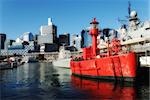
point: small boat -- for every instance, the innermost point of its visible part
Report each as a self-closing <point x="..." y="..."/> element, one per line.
<point x="13" y="62"/>
<point x="63" y="58"/>
<point x="29" y="59"/>
<point x="114" y="64"/>
<point x="5" y="65"/>
<point x="9" y="63"/>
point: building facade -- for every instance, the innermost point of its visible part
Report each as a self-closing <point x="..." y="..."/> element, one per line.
<point x="64" y="39"/>
<point x="27" y="36"/>
<point x="86" y="39"/>
<point x="2" y="40"/>
<point x="48" y="38"/>
<point x="76" y="41"/>
<point x="48" y="31"/>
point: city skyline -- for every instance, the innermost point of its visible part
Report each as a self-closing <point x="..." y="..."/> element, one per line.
<point x="69" y="16"/>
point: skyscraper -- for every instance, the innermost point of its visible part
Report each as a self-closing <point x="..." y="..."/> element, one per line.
<point x="48" y="31"/>
<point x="76" y="41"/>
<point x="27" y="36"/>
<point x="2" y="40"/>
<point x="64" y="39"/>
<point x="86" y="39"/>
<point x="47" y="38"/>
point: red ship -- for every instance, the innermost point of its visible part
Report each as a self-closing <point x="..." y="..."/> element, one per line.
<point x="114" y="64"/>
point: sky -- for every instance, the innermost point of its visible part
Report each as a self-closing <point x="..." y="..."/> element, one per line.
<point x="71" y="16"/>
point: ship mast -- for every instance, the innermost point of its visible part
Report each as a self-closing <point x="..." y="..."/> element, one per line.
<point x="129" y="8"/>
<point x="94" y="33"/>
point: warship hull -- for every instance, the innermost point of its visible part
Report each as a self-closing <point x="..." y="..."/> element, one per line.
<point x="120" y="67"/>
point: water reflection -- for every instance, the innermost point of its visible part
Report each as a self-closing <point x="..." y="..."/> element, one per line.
<point x="33" y="80"/>
<point x="42" y="81"/>
<point x="104" y="90"/>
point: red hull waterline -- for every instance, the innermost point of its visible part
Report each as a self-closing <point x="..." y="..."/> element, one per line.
<point x="121" y="66"/>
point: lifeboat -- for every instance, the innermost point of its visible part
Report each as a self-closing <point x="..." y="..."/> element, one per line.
<point x="114" y="64"/>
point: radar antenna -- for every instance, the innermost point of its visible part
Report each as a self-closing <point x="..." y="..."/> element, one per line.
<point x="121" y="21"/>
<point x="129" y="8"/>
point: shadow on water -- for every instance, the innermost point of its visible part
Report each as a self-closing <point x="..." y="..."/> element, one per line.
<point x="142" y="83"/>
<point x="42" y="81"/>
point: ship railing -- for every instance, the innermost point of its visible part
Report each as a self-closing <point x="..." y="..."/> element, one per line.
<point x="141" y="48"/>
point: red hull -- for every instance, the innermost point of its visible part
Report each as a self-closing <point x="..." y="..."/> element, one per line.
<point x="119" y="66"/>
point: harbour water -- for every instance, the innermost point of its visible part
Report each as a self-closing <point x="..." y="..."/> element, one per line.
<point x="42" y="81"/>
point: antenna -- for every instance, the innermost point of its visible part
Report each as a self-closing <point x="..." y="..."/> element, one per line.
<point x="129" y="8"/>
<point x="121" y="21"/>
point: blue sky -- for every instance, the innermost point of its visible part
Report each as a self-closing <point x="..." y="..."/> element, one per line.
<point x="19" y="16"/>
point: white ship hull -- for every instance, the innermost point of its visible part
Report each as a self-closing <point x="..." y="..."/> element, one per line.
<point x="28" y="59"/>
<point x="145" y="61"/>
<point x="65" y="63"/>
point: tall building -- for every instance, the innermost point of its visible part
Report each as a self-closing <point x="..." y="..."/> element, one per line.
<point x="36" y="45"/>
<point x="64" y="39"/>
<point x="86" y="39"/>
<point x="49" y="31"/>
<point x="2" y="40"/>
<point x="73" y="40"/>
<point x="27" y="36"/>
<point x="49" y="47"/>
<point x="48" y="38"/>
<point x="76" y="41"/>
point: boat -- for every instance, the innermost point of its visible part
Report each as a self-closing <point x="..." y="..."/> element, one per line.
<point x="137" y="34"/>
<point x="64" y="58"/>
<point x="114" y="64"/>
<point x="134" y="33"/>
<point x="5" y="65"/>
<point x="29" y="59"/>
<point x="9" y="63"/>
